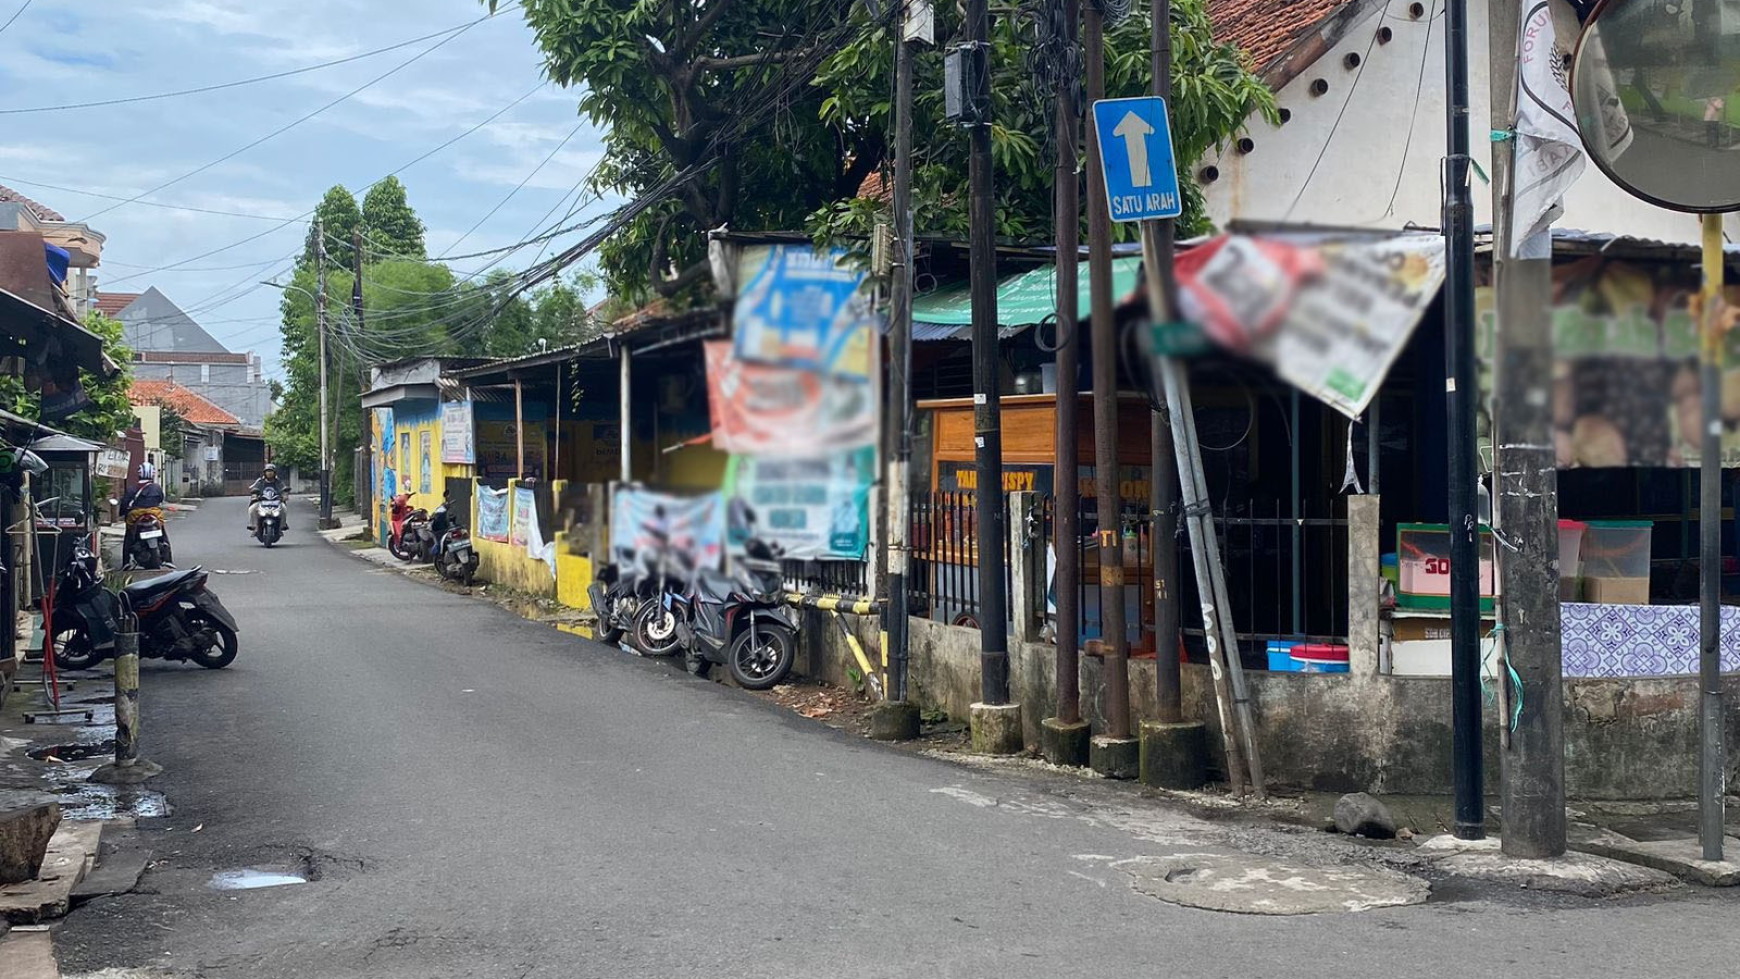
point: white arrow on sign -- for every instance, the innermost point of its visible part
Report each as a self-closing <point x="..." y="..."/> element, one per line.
<point x="1134" y="131"/>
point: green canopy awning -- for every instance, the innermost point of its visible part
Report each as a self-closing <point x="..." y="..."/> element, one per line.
<point x="1022" y="301"/>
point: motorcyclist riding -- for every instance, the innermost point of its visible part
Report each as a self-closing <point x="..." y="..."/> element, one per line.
<point x="142" y="500"/>
<point x="268" y="480"/>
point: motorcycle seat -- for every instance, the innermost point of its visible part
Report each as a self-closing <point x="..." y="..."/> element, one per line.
<point x="153" y="588"/>
<point x="715" y="585"/>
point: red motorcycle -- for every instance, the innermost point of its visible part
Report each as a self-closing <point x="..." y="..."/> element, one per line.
<point x="407" y="522"/>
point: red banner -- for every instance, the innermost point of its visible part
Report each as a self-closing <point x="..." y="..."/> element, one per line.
<point x="764" y="410"/>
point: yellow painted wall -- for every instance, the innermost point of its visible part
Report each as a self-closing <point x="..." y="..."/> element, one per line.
<point x="150" y="424"/>
<point x="508" y="564"/>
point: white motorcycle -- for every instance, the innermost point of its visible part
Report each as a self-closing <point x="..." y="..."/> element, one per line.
<point x="269" y="524"/>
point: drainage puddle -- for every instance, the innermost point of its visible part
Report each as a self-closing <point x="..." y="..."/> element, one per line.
<point x="77" y="751"/>
<point x="247" y="880"/>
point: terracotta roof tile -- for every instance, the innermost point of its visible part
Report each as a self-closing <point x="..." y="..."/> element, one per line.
<point x="111" y="303"/>
<point x="10" y="196"/>
<point x="1268" y="29"/>
<point x="874" y="188"/>
<point x="186" y="403"/>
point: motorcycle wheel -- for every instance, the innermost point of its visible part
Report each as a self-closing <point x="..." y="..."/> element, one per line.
<point x="401" y="549"/>
<point x="695" y="664"/>
<point x="655" y="630"/>
<point x="150" y="558"/>
<point x="223" y="653"/>
<point x="72" y="648"/>
<point x="761" y="656"/>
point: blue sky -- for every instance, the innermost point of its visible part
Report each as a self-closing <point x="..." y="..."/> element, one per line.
<point x="57" y="54"/>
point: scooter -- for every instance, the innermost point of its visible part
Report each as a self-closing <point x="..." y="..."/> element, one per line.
<point x="150" y="547"/>
<point x="406" y="523"/>
<point x="739" y="621"/>
<point x="614" y="600"/>
<point x="653" y="630"/>
<point x="269" y="524"/>
<point x="179" y="617"/>
<point x="454" y="557"/>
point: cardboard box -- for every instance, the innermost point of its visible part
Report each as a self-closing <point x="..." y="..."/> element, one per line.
<point x="1571" y="589"/>
<point x="1616" y="591"/>
<point x="1420" y="629"/>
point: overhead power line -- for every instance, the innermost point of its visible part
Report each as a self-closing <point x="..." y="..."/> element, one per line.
<point x="15" y="15"/>
<point x="255" y="80"/>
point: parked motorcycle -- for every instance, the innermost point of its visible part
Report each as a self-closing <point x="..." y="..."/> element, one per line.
<point x="179" y="617"/>
<point x="653" y="630"/>
<point x="739" y="621"/>
<point x="614" y="601"/>
<point x="269" y="524"/>
<point x="406" y="523"/>
<point x="451" y="550"/>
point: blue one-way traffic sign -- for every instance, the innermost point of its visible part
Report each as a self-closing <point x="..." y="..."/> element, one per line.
<point x="1136" y="157"/>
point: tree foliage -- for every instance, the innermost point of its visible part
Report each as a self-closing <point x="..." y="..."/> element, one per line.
<point x="337" y="216"/>
<point x="675" y="84"/>
<point x="111" y="410"/>
<point x="391" y="229"/>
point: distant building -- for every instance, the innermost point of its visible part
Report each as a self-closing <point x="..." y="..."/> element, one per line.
<point x="168" y="345"/>
<point x="83" y="245"/>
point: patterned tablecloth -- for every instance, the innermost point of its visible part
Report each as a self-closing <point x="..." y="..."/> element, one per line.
<point x="1640" y="640"/>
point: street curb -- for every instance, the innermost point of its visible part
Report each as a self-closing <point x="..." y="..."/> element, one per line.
<point x="28" y="952"/>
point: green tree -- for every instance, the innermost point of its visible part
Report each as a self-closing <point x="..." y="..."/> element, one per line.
<point x="390" y="226"/>
<point x="110" y="411"/>
<point x="338" y="216"/>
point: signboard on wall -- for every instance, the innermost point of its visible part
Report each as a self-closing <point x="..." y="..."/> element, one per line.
<point x="492" y="513"/>
<point x="112" y="463"/>
<point x="458" y="441"/>
<point x="425" y="461"/>
<point x="498" y="448"/>
<point x="800" y="306"/>
<point x="814" y="509"/>
<point x="766" y="410"/>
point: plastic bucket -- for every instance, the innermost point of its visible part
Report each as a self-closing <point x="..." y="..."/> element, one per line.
<point x="1320" y="658"/>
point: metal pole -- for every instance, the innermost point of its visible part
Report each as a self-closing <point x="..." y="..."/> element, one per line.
<point x="1373" y="445"/>
<point x="519" y="431"/>
<point x="1461" y="392"/>
<point x="1066" y="538"/>
<point x="126" y="697"/>
<point x="1712" y="758"/>
<point x="900" y="378"/>
<point x="325" y="403"/>
<point x="1298" y="529"/>
<point x="1526" y="473"/>
<point x="1163" y="467"/>
<point x="625" y="437"/>
<point x="987" y="422"/>
<point x="1114" y="639"/>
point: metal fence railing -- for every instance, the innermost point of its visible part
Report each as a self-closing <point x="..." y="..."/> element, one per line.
<point x="943" y="580"/>
<point x="850" y="578"/>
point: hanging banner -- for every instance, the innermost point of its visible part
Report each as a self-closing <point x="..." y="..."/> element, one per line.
<point x="1330" y="317"/>
<point x="112" y="463"/>
<point x="763" y="410"/>
<point x="800" y="306"/>
<point x="492" y="514"/>
<point x="642" y="521"/>
<point x="537" y="548"/>
<point x="425" y="461"/>
<point x="458" y="441"/>
<point x="1625" y="374"/>
<point x="813" y="509"/>
<point x="525" y="510"/>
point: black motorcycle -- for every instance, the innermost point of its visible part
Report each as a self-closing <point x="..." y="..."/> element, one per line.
<point x="668" y="574"/>
<point x="269" y="524"/>
<point x="739" y="621"/>
<point x="614" y="601"/>
<point x="179" y="618"/>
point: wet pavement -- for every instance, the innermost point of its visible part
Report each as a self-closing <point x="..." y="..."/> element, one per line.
<point x="466" y="793"/>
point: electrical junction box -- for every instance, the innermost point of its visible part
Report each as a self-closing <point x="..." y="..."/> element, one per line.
<point x="966" y="85"/>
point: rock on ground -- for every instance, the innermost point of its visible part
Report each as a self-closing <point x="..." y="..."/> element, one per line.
<point x="1361" y="814"/>
<point x="24" y="836"/>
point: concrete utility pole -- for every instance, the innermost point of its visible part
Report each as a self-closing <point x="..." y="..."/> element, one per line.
<point x="1114" y="753"/>
<point x="325" y="399"/>
<point x="1064" y="738"/>
<point x="896" y="719"/>
<point x="1163" y="479"/>
<point x="1527" y="485"/>
<point x="996" y="722"/>
<point x="1712" y="739"/>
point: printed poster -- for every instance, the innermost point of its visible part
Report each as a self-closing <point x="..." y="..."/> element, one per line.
<point x="642" y="521"/>
<point x="525" y="513"/>
<point x="425" y="457"/>
<point x="492" y="514"/>
<point x="764" y="410"/>
<point x="458" y="442"/>
<point x="800" y="306"/>
<point x="813" y="509"/>
<point x="498" y="448"/>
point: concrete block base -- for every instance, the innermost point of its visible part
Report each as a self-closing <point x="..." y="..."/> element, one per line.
<point x="1064" y="744"/>
<point x="1119" y="758"/>
<point x="134" y="774"/>
<point x="1684" y="858"/>
<point x="996" y="729"/>
<point x="894" y="720"/>
<point x="1174" y="756"/>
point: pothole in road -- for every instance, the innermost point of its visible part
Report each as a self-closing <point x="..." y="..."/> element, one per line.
<point x="77" y="751"/>
<point x="253" y="878"/>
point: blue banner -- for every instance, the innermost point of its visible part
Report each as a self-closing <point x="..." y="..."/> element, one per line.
<point x="799" y="306"/>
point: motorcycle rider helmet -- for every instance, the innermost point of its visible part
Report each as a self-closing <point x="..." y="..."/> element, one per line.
<point x="271" y="468"/>
<point x="147" y="472"/>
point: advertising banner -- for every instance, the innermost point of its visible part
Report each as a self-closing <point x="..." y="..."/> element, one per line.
<point x="814" y="509"/>
<point x="498" y="448"/>
<point x="641" y="521"/>
<point x="525" y="510"/>
<point x="458" y="441"/>
<point x="492" y="513"/>
<point x="799" y="306"/>
<point x="763" y="410"/>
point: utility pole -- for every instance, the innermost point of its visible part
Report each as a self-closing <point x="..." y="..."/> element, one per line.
<point x="1527" y="484"/>
<point x="1712" y="740"/>
<point x="1114" y="753"/>
<point x="1461" y="394"/>
<point x="896" y="719"/>
<point x="1064" y="738"/>
<point x="996" y="722"/>
<point x="1163" y="472"/>
<point x="325" y="399"/>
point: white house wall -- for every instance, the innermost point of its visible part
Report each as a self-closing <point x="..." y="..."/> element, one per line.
<point x="1367" y="151"/>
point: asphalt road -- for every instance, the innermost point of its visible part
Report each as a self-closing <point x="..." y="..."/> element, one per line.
<point x="482" y="796"/>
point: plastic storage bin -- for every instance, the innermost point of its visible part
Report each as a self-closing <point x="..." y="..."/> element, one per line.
<point x="1615" y="561"/>
<point x="1281" y="657"/>
<point x="1570" y="560"/>
<point x="1319" y="658"/>
<point x="1423" y="556"/>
